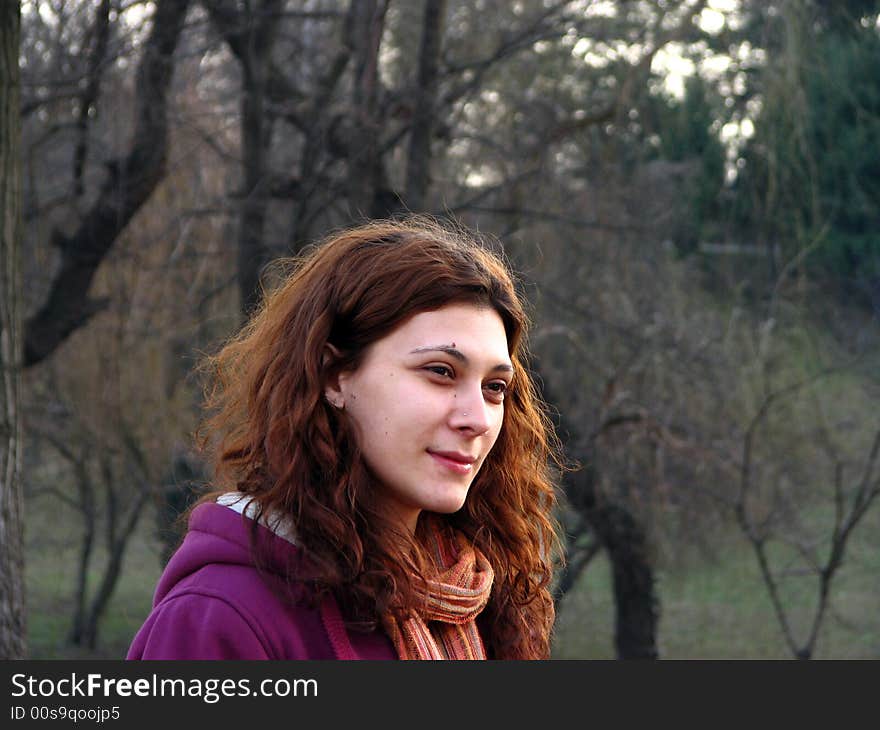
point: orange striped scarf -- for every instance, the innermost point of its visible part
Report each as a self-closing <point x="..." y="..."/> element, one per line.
<point x="446" y="628"/>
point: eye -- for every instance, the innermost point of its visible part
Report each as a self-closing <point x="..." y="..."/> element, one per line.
<point x="497" y="389"/>
<point x="442" y="370"/>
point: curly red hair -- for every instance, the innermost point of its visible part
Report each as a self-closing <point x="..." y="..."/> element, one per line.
<point x="274" y="437"/>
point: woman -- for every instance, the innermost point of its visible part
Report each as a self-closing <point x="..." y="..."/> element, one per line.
<point x="383" y="467"/>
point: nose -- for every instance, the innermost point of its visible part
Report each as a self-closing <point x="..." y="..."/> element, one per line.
<point x="469" y="411"/>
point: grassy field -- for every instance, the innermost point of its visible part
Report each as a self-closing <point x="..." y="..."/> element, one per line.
<point x="710" y="609"/>
<point x="720" y="609"/>
<point x="50" y="574"/>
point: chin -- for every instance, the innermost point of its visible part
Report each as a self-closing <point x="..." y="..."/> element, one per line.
<point x="447" y="506"/>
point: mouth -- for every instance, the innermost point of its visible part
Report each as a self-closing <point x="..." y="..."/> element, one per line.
<point x="454" y="461"/>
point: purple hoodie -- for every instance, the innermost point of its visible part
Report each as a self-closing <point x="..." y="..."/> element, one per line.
<point x="212" y="603"/>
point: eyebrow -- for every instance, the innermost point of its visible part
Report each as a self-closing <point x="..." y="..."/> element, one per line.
<point x="460" y="356"/>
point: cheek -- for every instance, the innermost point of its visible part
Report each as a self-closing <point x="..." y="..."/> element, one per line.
<point x="384" y="409"/>
<point x="498" y="419"/>
<point x="495" y="430"/>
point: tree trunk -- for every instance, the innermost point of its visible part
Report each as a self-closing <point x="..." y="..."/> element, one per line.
<point x="625" y="542"/>
<point x="256" y="135"/>
<point x="636" y="610"/>
<point x="366" y="20"/>
<point x="87" y="508"/>
<point x="77" y="629"/>
<point x="618" y="531"/>
<point x="418" y="166"/>
<point x="12" y="604"/>
<point x="117" y="544"/>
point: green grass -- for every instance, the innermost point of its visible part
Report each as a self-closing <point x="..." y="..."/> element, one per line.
<point x="720" y="609"/>
<point x="51" y="546"/>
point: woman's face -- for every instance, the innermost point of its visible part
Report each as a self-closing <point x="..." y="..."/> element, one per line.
<point x="427" y="403"/>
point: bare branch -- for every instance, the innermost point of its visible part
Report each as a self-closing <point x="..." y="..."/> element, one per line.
<point x="58" y="494"/>
<point x="635" y="75"/>
<point x="129" y="183"/>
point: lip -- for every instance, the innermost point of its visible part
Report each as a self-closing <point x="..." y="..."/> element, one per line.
<point x="454" y="461"/>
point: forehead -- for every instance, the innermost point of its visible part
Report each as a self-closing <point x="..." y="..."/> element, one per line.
<point x="472" y="329"/>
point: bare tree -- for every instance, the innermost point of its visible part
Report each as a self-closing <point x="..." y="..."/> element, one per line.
<point x="128" y="185"/>
<point x="102" y="496"/>
<point x="760" y="521"/>
<point x="603" y="521"/>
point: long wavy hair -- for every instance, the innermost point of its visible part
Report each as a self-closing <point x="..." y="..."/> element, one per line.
<point x="272" y="435"/>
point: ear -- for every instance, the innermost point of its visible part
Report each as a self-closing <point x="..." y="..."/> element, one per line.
<point x="333" y="383"/>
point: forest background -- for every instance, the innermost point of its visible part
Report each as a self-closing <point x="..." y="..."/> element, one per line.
<point x="688" y="188"/>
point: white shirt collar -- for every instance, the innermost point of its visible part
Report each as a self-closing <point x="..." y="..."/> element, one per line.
<point x="247" y="505"/>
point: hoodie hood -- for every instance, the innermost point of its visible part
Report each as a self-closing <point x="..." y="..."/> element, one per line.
<point x="222" y="534"/>
<point x="213" y="602"/>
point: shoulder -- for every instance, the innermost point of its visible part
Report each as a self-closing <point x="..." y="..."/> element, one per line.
<point x="198" y="625"/>
<point x="229" y="612"/>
